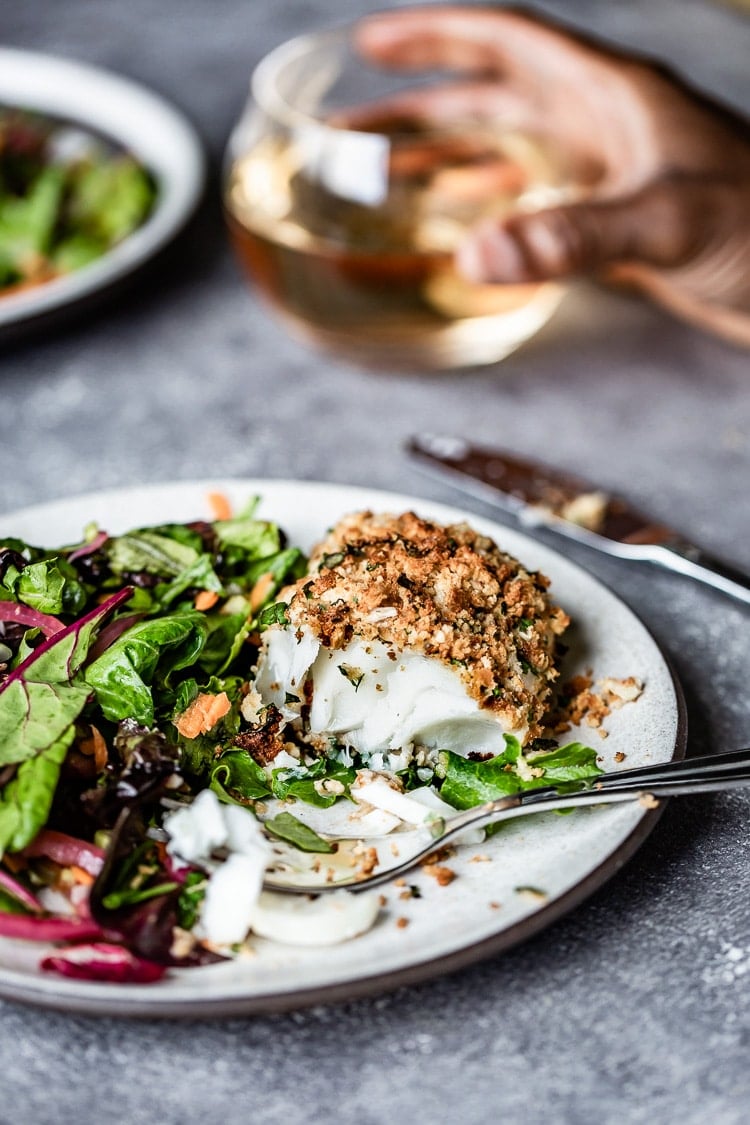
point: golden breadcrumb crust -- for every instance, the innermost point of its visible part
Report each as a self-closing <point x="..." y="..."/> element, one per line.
<point x="445" y="592"/>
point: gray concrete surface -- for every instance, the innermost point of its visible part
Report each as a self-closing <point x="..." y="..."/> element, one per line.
<point x="636" y="1007"/>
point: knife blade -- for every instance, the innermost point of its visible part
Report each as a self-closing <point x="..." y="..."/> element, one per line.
<point x="540" y="496"/>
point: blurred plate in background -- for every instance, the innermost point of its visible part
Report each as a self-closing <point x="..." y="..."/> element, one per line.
<point x="132" y="118"/>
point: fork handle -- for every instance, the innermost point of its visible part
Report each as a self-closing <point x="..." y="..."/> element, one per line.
<point x="521" y="804"/>
<point x="703" y="567"/>
<point x="709" y="765"/>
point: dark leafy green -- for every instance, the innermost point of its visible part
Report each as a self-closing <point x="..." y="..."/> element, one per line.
<point x="467" y="783"/>
<point x="132" y="896"/>
<point x="25" y="800"/>
<point x="237" y="777"/>
<point x="200" y="575"/>
<point x="149" y="552"/>
<point x="288" y="828"/>
<point x="48" y="585"/>
<point x="148" y="653"/>
<point x="46" y="692"/>
<point x="191" y="898"/>
<point x="300" y="783"/>
<point x="226" y="635"/>
<point x="275" y="614"/>
<point x="38" y="585"/>
<point x="141" y="761"/>
<point x="40" y="701"/>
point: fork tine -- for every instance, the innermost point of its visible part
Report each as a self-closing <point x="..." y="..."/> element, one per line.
<point x="706" y="774"/>
<point x="703" y="775"/>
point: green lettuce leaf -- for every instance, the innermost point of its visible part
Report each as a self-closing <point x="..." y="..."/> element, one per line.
<point x="257" y="538"/>
<point x="40" y="586"/>
<point x="109" y="198"/>
<point x="235" y="775"/>
<point x="572" y="762"/>
<point x="39" y="703"/>
<point x="45" y="694"/>
<point x="288" y="828"/>
<point x="467" y="783"/>
<point x="284" y="566"/>
<point x="76" y="251"/>
<point x="25" y="801"/>
<point x="35" y="716"/>
<point x="275" y="614"/>
<point x="150" y="552"/>
<point x="299" y="784"/>
<point x="226" y="634"/>
<point x="199" y="575"/>
<point x="48" y="585"/>
<point x="27" y="222"/>
<point x="147" y="654"/>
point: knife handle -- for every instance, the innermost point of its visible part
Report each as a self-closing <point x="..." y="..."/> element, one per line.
<point x="704" y="567"/>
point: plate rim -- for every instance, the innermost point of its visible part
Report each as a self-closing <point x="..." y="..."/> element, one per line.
<point x="140" y="1003"/>
<point x="178" y="197"/>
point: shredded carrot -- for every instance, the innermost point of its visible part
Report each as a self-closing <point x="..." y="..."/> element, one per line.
<point x="96" y="746"/>
<point x="203" y="714"/>
<point x="220" y="506"/>
<point x="204" y="599"/>
<point x="260" y="591"/>
<point x="81" y="876"/>
<point x="14" y="863"/>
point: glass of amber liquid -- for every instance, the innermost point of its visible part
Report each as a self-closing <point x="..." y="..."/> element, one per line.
<point x="347" y="196"/>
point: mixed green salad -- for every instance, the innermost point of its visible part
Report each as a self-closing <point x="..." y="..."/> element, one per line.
<point x="126" y="666"/>
<point x="66" y="198"/>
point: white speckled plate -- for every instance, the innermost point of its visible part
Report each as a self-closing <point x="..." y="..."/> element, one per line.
<point x="135" y="119"/>
<point x="481" y="912"/>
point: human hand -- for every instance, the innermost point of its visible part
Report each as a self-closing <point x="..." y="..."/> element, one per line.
<point x="666" y="172"/>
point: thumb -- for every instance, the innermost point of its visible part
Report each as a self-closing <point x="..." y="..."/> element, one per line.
<point x="657" y="226"/>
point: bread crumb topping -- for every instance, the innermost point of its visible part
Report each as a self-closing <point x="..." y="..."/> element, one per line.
<point x="445" y="592"/>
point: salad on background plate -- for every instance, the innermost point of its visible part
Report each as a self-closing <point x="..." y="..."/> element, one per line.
<point x="97" y="175"/>
<point x="67" y="197"/>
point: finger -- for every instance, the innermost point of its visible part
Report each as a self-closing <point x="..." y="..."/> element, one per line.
<point x="470" y="39"/>
<point x="709" y="284"/>
<point x="728" y="320"/>
<point x="656" y="227"/>
<point x="450" y="103"/>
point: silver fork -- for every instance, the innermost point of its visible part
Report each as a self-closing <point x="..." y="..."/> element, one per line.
<point x="647" y="784"/>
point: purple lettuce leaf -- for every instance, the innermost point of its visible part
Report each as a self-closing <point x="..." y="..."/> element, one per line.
<point x="103" y="961"/>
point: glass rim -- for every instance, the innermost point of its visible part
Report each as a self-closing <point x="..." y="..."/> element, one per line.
<point x="265" y="92"/>
<point x="264" y="81"/>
